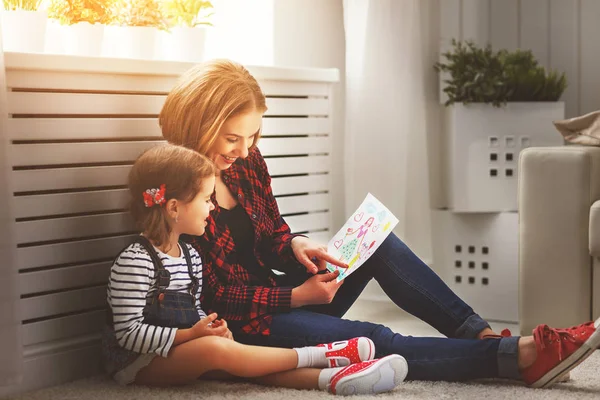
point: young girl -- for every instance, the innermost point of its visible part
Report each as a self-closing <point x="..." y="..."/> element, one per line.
<point x="158" y="333"/>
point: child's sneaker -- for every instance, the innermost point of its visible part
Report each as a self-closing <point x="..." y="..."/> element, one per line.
<point x="346" y="352"/>
<point x="559" y="351"/>
<point x="369" y="377"/>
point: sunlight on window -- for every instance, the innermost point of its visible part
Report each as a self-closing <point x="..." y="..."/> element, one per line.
<point x="243" y="30"/>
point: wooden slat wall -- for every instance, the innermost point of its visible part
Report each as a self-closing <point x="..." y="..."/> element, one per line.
<point x="74" y="136"/>
<point x="563" y="34"/>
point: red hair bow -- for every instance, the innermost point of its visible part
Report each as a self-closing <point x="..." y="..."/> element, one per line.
<point x="155" y="196"/>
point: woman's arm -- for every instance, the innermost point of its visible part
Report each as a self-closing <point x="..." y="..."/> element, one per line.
<point x="239" y="302"/>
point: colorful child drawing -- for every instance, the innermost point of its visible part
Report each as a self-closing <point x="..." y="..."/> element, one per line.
<point x="361" y="235"/>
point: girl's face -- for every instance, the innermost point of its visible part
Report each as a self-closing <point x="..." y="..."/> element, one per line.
<point x="193" y="215"/>
<point x="235" y="138"/>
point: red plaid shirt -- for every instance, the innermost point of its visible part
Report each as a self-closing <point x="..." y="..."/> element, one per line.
<point x="228" y="288"/>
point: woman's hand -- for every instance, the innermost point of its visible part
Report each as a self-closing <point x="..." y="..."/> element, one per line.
<point x="318" y="289"/>
<point x="312" y="255"/>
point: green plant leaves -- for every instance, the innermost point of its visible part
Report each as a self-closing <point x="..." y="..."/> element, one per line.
<point x="480" y="75"/>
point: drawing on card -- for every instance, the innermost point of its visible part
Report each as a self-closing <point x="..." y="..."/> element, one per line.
<point x="361" y="235"/>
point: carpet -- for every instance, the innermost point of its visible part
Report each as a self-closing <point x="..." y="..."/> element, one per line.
<point x="584" y="384"/>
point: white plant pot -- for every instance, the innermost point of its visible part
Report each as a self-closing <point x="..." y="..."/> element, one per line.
<point x="477" y="256"/>
<point x="183" y="44"/>
<point x="481" y="151"/>
<point x="129" y="42"/>
<point x="83" y="39"/>
<point x="24" y="31"/>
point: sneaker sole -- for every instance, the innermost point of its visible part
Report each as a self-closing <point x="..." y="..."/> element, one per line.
<point x="586" y="350"/>
<point x="382" y="376"/>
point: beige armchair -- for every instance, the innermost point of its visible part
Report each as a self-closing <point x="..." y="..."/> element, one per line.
<point x="559" y="236"/>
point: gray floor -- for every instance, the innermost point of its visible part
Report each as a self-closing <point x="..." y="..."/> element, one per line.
<point x="584" y="384"/>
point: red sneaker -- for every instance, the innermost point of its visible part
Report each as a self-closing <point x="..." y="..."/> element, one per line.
<point x="346" y="352"/>
<point x="370" y="377"/>
<point x="559" y="351"/>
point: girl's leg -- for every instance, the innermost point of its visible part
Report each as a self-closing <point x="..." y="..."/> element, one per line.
<point x="190" y="360"/>
<point x="414" y="287"/>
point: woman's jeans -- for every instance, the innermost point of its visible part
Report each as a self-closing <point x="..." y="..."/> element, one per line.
<point x="415" y="288"/>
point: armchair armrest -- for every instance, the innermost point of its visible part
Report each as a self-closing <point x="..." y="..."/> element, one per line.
<point x="557" y="187"/>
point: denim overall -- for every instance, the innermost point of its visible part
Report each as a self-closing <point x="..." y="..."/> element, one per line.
<point x="166" y="308"/>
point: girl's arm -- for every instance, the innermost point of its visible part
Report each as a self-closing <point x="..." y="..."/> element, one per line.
<point x="130" y="280"/>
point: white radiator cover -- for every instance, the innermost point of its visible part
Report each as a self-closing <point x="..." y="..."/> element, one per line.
<point x="477" y="256"/>
<point x="76" y="125"/>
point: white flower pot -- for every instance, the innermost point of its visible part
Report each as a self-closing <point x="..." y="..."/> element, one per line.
<point x="129" y="42"/>
<point x="83" y="39"/>
<point x="183" y="44"/>
<point x="24" y="31"/>
<point x="482" y="146"/>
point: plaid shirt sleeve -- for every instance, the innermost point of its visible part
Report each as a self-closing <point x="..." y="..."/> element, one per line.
<point x="282" y="236"/>
<point x="239" y="302"/>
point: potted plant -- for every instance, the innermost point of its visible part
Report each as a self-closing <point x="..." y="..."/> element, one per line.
<point x="134" y="26"/>
<point x="85" y="20"/>
<point x="23" y="26"/>
<point x="498" y="103"/>
<point x="188" y="21"/>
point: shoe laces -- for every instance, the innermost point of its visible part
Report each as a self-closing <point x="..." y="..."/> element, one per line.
<point x="545" y="336"/>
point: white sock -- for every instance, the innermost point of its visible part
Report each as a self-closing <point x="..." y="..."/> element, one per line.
<point x="311" y="357"/>
<point x="325" y="376"/>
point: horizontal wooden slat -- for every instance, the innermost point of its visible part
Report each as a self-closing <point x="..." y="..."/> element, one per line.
<point x="309" y="222"/>
<point x="322" y="237"/>
<point x="298" y="165"/>
<point x="64" y="278"/>
<point x="77" y="153"/>
<point x="304" y="203"/>
<point x="43" y="103"/>
<point x="59" y="62"/>
<point x="65" y="302"/>
<point x="59" y="80"/>
<point x="73" y="227"/>
<point x="99" y="152"/>
<point x="69" y="178"/>
<point x="63" y="327"/>
<point x="82" y="128"/>
<point x="290" y="146"/>
<point x="300" y="184"/>
<point x="296" y="126"/>
<point x="107" y="128"/>
<point x="83" y="103"/>
<point x="70" y="203"/>
<point x="89" y="177"/>
<point x="72" y="252"/>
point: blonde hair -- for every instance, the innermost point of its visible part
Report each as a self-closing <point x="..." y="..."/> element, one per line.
<point x="204" y="98"/>
<point x="181" y="170"/>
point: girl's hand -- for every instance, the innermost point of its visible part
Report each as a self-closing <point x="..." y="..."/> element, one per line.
<point x="222" y="323"/>
<point x="312" y="255"/>
<point x="209" y="326"/>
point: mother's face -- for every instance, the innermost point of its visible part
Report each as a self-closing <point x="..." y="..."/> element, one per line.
<point x="235" y="138"/>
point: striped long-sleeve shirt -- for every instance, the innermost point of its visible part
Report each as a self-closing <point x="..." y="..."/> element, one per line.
<point x="132" y="283"/>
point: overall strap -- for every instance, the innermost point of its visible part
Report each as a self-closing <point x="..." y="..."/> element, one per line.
<point x="188" y="260"/>
<point x="163" y="277"/>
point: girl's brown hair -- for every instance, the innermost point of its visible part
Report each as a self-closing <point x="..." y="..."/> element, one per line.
<point x="204" y="98"/>
<point x="181" y="170"/>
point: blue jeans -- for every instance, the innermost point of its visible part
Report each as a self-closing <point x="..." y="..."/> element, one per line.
<point x="415" y="288"/>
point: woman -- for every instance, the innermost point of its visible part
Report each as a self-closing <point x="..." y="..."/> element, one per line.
<point x="216" y="109"/>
